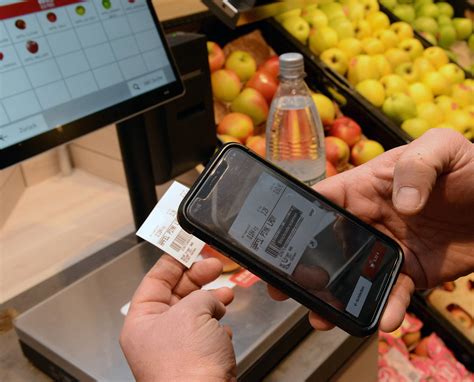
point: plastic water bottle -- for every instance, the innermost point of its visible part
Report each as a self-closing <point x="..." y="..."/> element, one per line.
<point x="294" y="132"/>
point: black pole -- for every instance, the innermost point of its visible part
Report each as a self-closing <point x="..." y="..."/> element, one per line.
<point x="138" y="171"/>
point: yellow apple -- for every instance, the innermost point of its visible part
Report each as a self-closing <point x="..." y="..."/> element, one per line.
<point x="362" y="68"/>
<point x="453" y="73"/>
<point x="297" y="27"/>
<point x="396" y="57"/>
<point x="325" y="108"/>
<point x="315" y="17"/>
<point x="437" y="56"/>
<point x="373" y="91"/>
<point x="365" y="150"/>
<point x="226" y="85"/>
<point x="383" y="66"/>
<point x="362" y="29"/>
<point x="408" y="72"/>
<point x="402" y="29"/>
<point x="350" y="46"/>
<point x="371" y="46"/>
<point x="378" y="21"/>
<point x="242" y="63"/>
<point x="388" y="37"/>
<point x="463" y="94"/>
<point x="446" y="104"/>
<point x="420" y="93"/>
<point x="415" y="127"/>
<point x="412" y="46"/>
<point x="282" y="16"/>
<point x="394" y="84"/>
<point x="462" y="122"/>
<point x="322" y="39"/>
<point x="424" y="65"/>
<point x="336" y="59"/>
<point x="431" y="113"/>
<point x="438" y="84"/>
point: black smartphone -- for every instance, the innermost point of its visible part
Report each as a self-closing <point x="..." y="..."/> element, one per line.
<point x="293" y="238"/>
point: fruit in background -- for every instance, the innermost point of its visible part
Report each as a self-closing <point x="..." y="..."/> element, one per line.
<point x="227" y="138"/>
<point x="242" y="63"/>
<point x="370" y="6"/>
<point x="437" y="83"/>
<point x="390" y="4"/>
<point x="429" y="37"/>
<point x="297" y="27"/>
<point x="463" y="94"/>
<point x="378" y="21"/>
<point x="346" y="129"/>
<point x="383" y="66"/>
<point x="336" y="59"/>
<point x="471" y="42"/>
<point x="446" y="36"/>
<point x="362" y="68"/>
<point x="225" y="85"/>
<point x="322" y="39"/>
<point x="272" y="66"/>
<point x="252" y="103"/>
<point x="362" y="29"/>
<point x="399" y="107"/>
<point x="446" y="104"/>
<point x="405" y="13"/>
<point x="420" y="93"/>
<point x="444" y="20"/>
<point x="355" y="11"/>
<point x="402" y="29"/>
<point x="315" y="18"/>
<point x="373" y="91"/>
<point x="350" y="46"/>
<point x="388" y="38"/>
<point x="325" y="107"/>
<point x="228" y="265"/>
<point x="423" y="65"/>
<point x="426" y="24"/>
<point x="415" y="127"/>
<point x="365" y="150"/>
<point x="371" y="46"/>
<point x="453" y="73"/>
<point x="445" y="9"/>
<point x="393" y="83"/>
<point x="330" y="169"/>
<point x="215" y="56"/>
<point x="428" y="10"/>
<point x="332" y="10"/>
<point x="282" y="16"/>
<point x="462" y="122"/>
<point x="431" y="113"/>
<point x="343" y="28"/>
<point x="463" y="28"/>
<point x="412" y="46"/>
<point x="257" y="144"/>
<point x="397" y="56"/>
<point x="237" y="125"/>
<point x="436" y="56"/>
<point x="265" y="83"/>
<point x="408" y="72"/>
<point x="337" y="152"/>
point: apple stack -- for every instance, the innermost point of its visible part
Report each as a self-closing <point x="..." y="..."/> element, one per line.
<point x="246" y="93"/>
<point x="434" y="21"/>
<point x="415" y="87"/>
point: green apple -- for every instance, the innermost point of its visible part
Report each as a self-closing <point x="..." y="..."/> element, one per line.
<point x="251" y="103"/>
<point x="446" y="36"/>
<point x="444" y="20"/>
<point x="371" y="46"/>
<point x="343" y="27"/>
<point x="332" y="10"/>
<point x="438" y="84"/>
<point x="362" y="29"/>
<point x="362" y="67"/>
<point x="297" y="27"/>
<point x="378" y="21"/>
<point x="315" y="18"/>
<point x="462" y="122"/>
<point x="426" y="24"/>
<point x="463" y="27"/>
<point x="453" y="73"/>
<point x="397" y="56"/>
<point x="428" y="10"/>
<point x="424" y="65"/>
<point x="350" y="46"/>
<point x="284" y="15"/>
<point x="405" y="13"/>
<point x="463" y="94"/>
<point x="437" y="56"/>
<point x="408" y="72"/>
<point x="383" y="66"/>
<point x="390" y="4"/>
<point x="388" y="38"/>
<point x="402" y="29"/>
<point x="429" y="37"/>
<point x="242" y="63"/>
<point x="322" y="39"/>
<point x="399" y="107"/>
<point x="226" y="85"/>
<point x="336" y="59"/>
<point x="471" y="42"/>
<point x="430" y="112"/>
<point x="445" y="9"/>
<point x="373" y="91"/>
<point x="393" y="83"/>
<point x="420" y="93"/>
<point x="415" y="127"/>
<point x="412" y="46"/>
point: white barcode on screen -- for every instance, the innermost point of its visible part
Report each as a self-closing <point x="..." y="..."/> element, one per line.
<point x="180" y="241"/>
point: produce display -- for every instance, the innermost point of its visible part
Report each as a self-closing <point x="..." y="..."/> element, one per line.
<point x="243" y="89"/>
<point x="417" y="88"/>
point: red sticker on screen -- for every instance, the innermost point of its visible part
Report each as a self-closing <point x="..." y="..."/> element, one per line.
<point x="374" y="261"/>
<point x="244" y="278"/>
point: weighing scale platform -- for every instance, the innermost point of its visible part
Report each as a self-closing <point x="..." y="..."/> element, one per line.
<point x="74" y="334"/>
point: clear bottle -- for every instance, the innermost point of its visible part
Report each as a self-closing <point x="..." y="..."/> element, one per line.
<point x="294" y="132"/>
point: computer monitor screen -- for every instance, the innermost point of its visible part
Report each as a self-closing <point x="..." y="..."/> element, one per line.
<point x="68" y="67"/>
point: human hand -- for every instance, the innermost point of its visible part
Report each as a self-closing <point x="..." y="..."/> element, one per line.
<point x="172" y="332"/>
<point x="422" y="195"/>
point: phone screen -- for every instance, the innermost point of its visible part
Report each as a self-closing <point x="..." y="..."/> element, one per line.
<point x="278" y="223"/>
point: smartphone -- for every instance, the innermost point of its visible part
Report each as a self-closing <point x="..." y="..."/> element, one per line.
<point x="293" y="238"/>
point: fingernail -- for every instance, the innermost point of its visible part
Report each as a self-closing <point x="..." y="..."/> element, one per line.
<point x="408" y="198"/>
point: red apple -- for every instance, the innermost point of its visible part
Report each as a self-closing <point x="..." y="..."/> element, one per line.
<point x="365" y="150"/>
<point x="346" y="129"/>
<point x="228" y="265"/>
<point x="226" y="85"/>
<point x="337" y="151"/>
<point x="330" y="169"/>
<point x="252" y="103"/>
<point x="215" y="56"/>
<point x="265" y="83"/>
<point x="237" y="125"/>
<point x="257" y="144"/>
<point x="271" y="66"/>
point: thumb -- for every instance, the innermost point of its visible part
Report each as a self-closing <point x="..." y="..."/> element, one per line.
<point x="202" y="302"/>
<point x="419" y="166"/>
